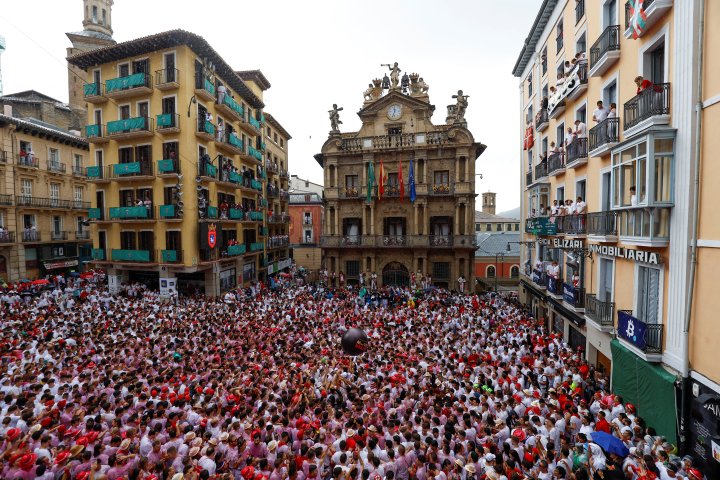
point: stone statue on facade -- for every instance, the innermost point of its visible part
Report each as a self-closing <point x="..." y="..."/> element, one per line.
<point x="394" y="74"/>
<point x="460" y="106"/>
<point x="418" y="85"/>
<point x="374" y="90"/>
<point x="335" y="118"/>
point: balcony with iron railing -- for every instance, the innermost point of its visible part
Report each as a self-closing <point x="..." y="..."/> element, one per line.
<point x="28" y="161"/>
<point x="539" y="278"/>
<point x="541" y="172"/>
<point x="82" y="235"/>
<point x="555" y="286"/>
<point x="652" y="11"/>
<point x="256" y="247"/>
<point x="644" y="226"/>
<point x="650" y="107"/>
<point x="29" y="201"/>
<point x="541" y="120"/>
<point x="254" y="153"/>
<point x="168" y="167"/>
<point x="393" y="142"/>
<point x="229" y="143"/>
<point x="132" y="171"/>
<point x="30" y="235"/>
<point x="56" y="235"/>
<point x="577" y="152"/>
<point x="6" y="199"/>
<point x="167" y="123"/>
<point x="227" y="105"/>
<point x="574" y="297"/>
<point x="575" y="224"/>
<point x="279" y="218"/>
<point x="441" y="240"/>
<point x="556" y="164"/>
<point x="236" y="250"/>
<point x="135" y="127"/>
<point x="78" y="171"/>
<point x="7" y="237"/>
<point x="53" y="166"/>
<point x="204" y="88"/>
<point x="602" y="226"/>
<point x="98" y="254"/>
<point x="604" y="136"/>
<point x="282" y="241"/>
<point x="441" y="189"/>
<point x="94" y="93"/>
<point x="645" y="339"/>
<point x="141" y="213"/>
<point x="133" y="256"/>
<point x="572" y="87"/>
<point x="528" y="178"/>
<point x="98" y="174"/>
<point x="605" y="51"/>
<point x="205" y="129"/>
<point x="96" y="133"/>
<point x="397" y="241"/>
<point x="599" y="313"/>
<point x="167" y="79"/>
<point x="129" y="86"/>
<point x="80" y="205"/>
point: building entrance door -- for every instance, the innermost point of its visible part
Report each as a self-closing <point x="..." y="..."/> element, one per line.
<point x="395" y="274"/>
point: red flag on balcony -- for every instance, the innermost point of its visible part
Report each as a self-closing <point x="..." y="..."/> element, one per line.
<point x="381" y="180"/>
<point x="529" y="139"/>
<point x="400" y="179"/>
<point x="637" y="18"/>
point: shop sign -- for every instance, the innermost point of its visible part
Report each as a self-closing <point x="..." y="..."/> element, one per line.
<point x="564" y="243"/>
<point x="284" y="263"/>
<point x="631" y="330"/>
<point x="630" y="253"/>
<point x="63" y="264"/>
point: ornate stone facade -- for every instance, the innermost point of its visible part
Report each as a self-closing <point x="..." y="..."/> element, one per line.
<point x="391" y="234"/>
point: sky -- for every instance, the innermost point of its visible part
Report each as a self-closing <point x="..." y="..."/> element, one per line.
<point x="316" y="53"/>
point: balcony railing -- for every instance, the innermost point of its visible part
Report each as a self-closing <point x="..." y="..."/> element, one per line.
<point x="80" y="205"/>
<point x="97" y="172"/>
<point x="6" y="199"/>
<point x="128" y="83"/>
<point x="169" y="212"/>
<point x="608" y="41"/>
<point x="556" y="163"/>
<point x="602" y="224"/>
<point x="645" y="224"/>
<point x="168" y="166"/>
<point x="30" y="235"/>
<point x="7" y="237"/>
<point x="93" y="91"/>
<point x="394" y="240"/>
<point x="541" y="171"/>
<point x="541" y="118"/>
<point x="539" y="278"/>
<point x="652" y="101"/>
<point x="646" y="337"/>
<point x="279" y="218"/>
<point x="528" y="177"/>
<point x="441" y="189"/>
<point x="167" y="122"/>
<point x="28" y="161"/>
<point x="39" y="202"/>
<point x="579" y="10"/>
<point x="97" y="254"/>
<point x="254" y="122"/>
<point x="171" y="256"/>
<point x="441" y="240"/>
<point x="232" y="105"/>
<point x="255" y="153"/>
<point x="140" y="256"/>
<point x="402" y="141"/>
<point x="82" y="235"/>
<point x="96" y="214"/>
<point x="130" y="125"/>
<point x="132" y="169"/>
<point x="78" y="171"/>
<point x="130" y="213"/>
<point x="56" y="235"/>
<point x="577" y="150"/>
<point x="235" y="250"/>
<point x="206" y="128"/>
<point x="204" y="87"/>
<point x="575" y="224"/>
<point x="256" y="246"/>
<point x="574" y="296"/>
<point x="602" y="313"/>
<point x="167" y="78"/>
<point x="56" y="167"/>
<point x="554" y="286"/>
<point x="605" y="132"/>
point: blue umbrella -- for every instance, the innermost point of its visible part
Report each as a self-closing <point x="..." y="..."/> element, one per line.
<point x="610" y="444"/>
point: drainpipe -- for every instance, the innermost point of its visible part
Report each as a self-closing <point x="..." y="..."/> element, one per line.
<point x="695" y="221"/>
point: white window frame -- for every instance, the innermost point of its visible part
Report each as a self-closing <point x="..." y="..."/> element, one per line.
<point x="56" y="153"/>
<point x="661" y="36"/>
<point x="661" y="287"/>
<point x="577" y="180"/>
<point x="52" y="224"/>
<point x="487" y="269"/>
<point x="26" y="187"/>
<point x="599" y="276"/>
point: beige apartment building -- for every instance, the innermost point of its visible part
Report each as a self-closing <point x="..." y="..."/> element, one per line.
<point x="613" y="272"/>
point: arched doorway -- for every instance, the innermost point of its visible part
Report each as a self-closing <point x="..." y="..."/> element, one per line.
<point x="395" y="274"/>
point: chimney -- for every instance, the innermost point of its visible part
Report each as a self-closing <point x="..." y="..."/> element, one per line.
<point x="7" y="110"/>
<point x="488" y="203"/>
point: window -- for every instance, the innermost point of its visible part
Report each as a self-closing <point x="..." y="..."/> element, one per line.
<point x="282" y="143"/>
<point x="79" y="224"/>
<point x="543" y="61"/>
<point x="307" y="218"/>
<point x="610" y="94"/>
<point x="488" y="227"/>
<point x="54" y="157"/>
<point x="529" y="117"/>
<point x="127" y="240"/>
<point x="530" y="85"/>
<point x="441" y="270"/>
<point x="307" y="235"/>
<point x="490" y="271"/>
<point x="26" y="188"/>
<point x="351" y="181"/>
<point x="79" y="194"/>
<point x="648" y="295"/>
<point x="581" y="44"/>
<point x="104" y="16"/>
<point x="392" y="180"/>
<point x="393" y="226"/>
<point x="29" y="221"/>
<point x="77" y="162"/>
<point x="125" y="155"/>
<point x="581" y="114"/>
<point x="560" y="133"/>
<point x="442" y="177"/>
<point x="560" y="195"/>
<point x="124" y="112"/>
<point x="559" y="35"/>
<point x="94" y="14"/>
<point x="498" y="227"/>
<point x="514" y="271"/>
<point x="517" y="227"/>
<point x="352" y="268"/>
<point x="477" y="227"/>
<point x="637" y="181"/>
<point x="54" y="194"/>
<point x="57" y="224"/>
<point x="580" y="189"/>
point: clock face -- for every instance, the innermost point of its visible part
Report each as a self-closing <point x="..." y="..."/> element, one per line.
<point x="394" y="112"/>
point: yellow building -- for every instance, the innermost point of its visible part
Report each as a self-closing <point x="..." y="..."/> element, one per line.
<point x="609" y="270"/>
<point x="43" y="200"/>
<point x="177" y="164"/>
<point x="378" y="231"/>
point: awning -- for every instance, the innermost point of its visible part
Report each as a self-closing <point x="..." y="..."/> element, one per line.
<point x="62" y="264"/>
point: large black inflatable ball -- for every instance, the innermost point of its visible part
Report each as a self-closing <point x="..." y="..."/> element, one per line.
<point x="354" y="342"/>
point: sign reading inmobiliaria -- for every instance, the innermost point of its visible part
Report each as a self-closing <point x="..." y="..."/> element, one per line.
<point x="629" y="253"/>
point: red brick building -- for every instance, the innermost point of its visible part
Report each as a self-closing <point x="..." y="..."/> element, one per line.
<point x="306" y="217"/>
<point x="497" y="261"/>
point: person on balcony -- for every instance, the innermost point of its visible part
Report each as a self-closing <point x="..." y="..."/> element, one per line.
<point x="580" y="211"/>
<point x="612" y="128"/>
<point x="580" y="129"/>
<point x="600" y="113"/>
<point x="554" y="148"/>
<point x="553" y="270"/>
<point x="560" y="80"/>
<point x="221" y="93"/>
<point x="220" y="130"/>
<point x="569" y="141"/>
<point x="568" y="68"/>
<point x="642" y="84"/>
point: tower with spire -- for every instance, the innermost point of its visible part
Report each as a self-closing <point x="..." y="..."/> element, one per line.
<point x="96" y="33"/>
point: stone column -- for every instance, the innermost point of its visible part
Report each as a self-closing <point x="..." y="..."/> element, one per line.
<point x="426" y="226"/>
<point x="337" y="183"/>
<point x="416" y="230"/>
<point x="456" y="223"/>
<point x="457" y="171"/>
<point x="469" y="219"/>
<point x="338" y="231"/>
<point x="372" y="219"/>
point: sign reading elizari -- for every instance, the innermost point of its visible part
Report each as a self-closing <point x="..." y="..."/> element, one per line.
<point x="566" y="243"/>
<point x="629" y="253"/>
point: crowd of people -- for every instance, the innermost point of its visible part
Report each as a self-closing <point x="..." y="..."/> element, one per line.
<point x="256" y="387"/>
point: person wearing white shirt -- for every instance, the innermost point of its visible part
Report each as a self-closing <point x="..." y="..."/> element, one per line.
<point x="580" y="129"/>
<point x="600" y="113"/>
